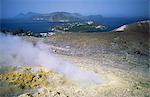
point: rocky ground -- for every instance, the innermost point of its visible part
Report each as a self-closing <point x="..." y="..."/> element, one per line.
<point x="120" y="59"/>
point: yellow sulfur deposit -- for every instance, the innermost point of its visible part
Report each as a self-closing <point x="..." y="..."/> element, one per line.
<point x="26" y="78"/>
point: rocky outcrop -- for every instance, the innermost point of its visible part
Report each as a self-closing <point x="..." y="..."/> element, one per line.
<point x="142" y="26"/>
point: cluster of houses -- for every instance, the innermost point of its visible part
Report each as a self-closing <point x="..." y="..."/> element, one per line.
<point x="28" y="33"/>
<point x="46" y="34"/>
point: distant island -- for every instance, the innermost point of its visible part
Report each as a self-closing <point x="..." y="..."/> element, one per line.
<point x="56" y="17"/>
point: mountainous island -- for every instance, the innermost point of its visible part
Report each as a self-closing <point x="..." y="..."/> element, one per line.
<point x="56" y="17"/>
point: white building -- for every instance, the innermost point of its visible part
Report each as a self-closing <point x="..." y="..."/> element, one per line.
<point x="44" y="34"/>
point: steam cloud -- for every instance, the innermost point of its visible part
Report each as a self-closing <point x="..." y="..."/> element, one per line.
<point x="15" y="51"/>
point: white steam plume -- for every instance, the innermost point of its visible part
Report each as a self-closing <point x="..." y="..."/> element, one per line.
<point x="15" y="51"/>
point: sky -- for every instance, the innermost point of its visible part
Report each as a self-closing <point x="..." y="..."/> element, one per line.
<point x="107" y="8"/>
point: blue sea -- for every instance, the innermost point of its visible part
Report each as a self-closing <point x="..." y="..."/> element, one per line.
<point x="45" y="26"/>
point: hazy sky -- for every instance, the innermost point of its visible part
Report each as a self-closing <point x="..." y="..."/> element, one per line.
<point x="109" y="8"/>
